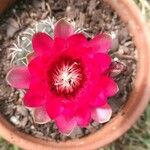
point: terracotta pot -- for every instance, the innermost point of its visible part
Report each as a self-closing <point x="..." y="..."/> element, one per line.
<point x="4" y="4"/>
<point x="135" y="106"/>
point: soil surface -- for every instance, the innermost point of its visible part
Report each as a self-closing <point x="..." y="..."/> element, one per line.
<point x="92" y="15"/>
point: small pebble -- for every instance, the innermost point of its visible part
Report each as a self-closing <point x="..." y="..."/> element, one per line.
<point x="95" y="124"/>
<point x="121" y="52"/>
<point x="14" y="120"/>
<point x="32" y="127"/>
<point x="23" y="122"/>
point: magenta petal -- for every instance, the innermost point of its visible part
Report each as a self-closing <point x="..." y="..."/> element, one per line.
<point x="40" y="115"/>
<point x="83" y="117"/>
<point x="76" y="40"/>
<point x="41" y="43"/>
<point x="35" y="96"/>
<point x="100" y="100"/>
<point x="19" y="77"/>
<point x="33" y="99"/>
<point x="54" y="106"/>
<point x="63" y="29"/>
<point x="101" y="43"/>
<point x="38" y="66"/>
<point x="109" y="86"/>
<point x="101" y="62"/>
<point x="69" y="108"/>
<point x="64" y="125"/>
<point x="102" y="114"/>
<point x="58" y="46"/>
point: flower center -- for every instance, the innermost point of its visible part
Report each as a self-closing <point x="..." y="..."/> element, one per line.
<point x="67" y="76"/>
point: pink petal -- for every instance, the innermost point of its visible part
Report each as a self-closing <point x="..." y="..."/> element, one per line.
<point x="83" y="116"/>
<point x="64" y="125"/>
<point x="36" y="64"/>
<point x="102" y="114"/>
<point x="77" y="52"/>
<point x="95" y="68"/>
<point x="54" y="106"/>
<point x="42" y="43"/>
<point x="95" y="84"/>
<point x="101" y="62"/>
<point x="76" y="40"/>
<point x="32" y="99"/>
<point x="69" y="108"/>
<point x="63" y="29"/>
<point x="90" y="90"/>
<point x="58" y="46"/>
<point x="76" y="46"/>
<point x="40" y="115"/>
<point x="108" y="85"/>
<point x="35" y="96"/>
<point x="19" y="77"/>
<point x="100" y="100"/>
<point x="101" y="43"/>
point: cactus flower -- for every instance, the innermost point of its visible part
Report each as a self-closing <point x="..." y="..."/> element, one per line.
<point x="66" y="80"/>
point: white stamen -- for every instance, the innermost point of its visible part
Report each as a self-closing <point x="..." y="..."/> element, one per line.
<point x="67" y="77"/>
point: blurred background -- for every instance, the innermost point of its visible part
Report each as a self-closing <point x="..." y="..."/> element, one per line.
<point x="137" y="138"/>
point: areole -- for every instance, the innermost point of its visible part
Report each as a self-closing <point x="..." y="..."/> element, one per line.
<point x="136" y="104"/>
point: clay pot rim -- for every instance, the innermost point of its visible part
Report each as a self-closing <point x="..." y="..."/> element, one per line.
<point x="136" y="104"/>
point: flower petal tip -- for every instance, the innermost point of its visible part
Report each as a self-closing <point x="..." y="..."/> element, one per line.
<point x="102" y="114"/>
<point x="65" y="127"/>
<point x="18" y="77"/>
<point x="67" y="133"/>
<point x="63" y="29"/>
<point x="101" y="43"/>
<point x="40" y="115"/>
<point x="41" y="43"/>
